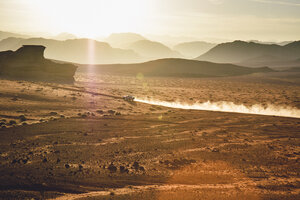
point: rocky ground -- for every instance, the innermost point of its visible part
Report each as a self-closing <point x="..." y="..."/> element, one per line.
<point x="83" y="141"/>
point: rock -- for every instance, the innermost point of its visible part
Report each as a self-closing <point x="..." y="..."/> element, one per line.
<point x="84" y="115"/>
<point x="12" y="122"/>
<point x="53" y="113"/>
<point x="14" y="98"/>
<point x="112" y="112"/>
<point x="22" y="118"/>
<point x="123" y="169"/>
<point x="141" y="168"/>
<point x="100" y="111"/>
<point x="112" y="168"/>
<point x="28" y="63"/>
<point x="136" y="165"/>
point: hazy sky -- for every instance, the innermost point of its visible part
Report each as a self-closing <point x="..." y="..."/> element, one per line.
<point x="229" y="19"/>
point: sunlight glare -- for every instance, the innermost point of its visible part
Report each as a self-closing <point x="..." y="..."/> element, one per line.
<point x="91" y="18"/>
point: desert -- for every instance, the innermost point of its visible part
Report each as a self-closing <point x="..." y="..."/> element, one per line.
<point x="83" y="141"/>
<point x="149" y="100"/>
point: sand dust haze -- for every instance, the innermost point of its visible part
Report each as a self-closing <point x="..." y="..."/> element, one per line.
<point x="224" y="106"/>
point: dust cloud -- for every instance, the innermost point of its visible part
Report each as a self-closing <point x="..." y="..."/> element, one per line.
<point x="224" y="106"/>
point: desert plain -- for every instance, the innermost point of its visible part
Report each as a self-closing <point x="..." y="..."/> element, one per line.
<point x="83" y="141"/>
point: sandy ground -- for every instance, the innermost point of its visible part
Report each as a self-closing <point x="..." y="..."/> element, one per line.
<point x="83" y="141"/>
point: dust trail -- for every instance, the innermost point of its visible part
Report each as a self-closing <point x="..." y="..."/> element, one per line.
<point x="224" y="106"/>
<point x="136" y="189"/>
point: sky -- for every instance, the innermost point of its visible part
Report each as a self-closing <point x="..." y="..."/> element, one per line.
<point x="268" y="20"/>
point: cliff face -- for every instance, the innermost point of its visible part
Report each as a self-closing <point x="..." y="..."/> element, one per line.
<point x="28" y="63"/>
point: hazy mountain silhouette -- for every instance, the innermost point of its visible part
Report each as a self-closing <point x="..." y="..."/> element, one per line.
<point x="64" y="36"/>
<point x="264" y="42"/>
<point x="122" y="40"/>
<point x="250" y="52"/>
<point x="4" y="35"/>
<point x="78" y="50"/>
<point x="170" y="40"/>
<point x="193" y="49"/>
<point x="176" y="68"/>
<point x="153" y="50"/>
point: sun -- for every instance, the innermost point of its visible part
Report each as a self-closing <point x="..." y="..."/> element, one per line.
<point x="92" y="18"/>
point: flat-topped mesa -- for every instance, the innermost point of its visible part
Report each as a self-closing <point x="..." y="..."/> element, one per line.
<point x="28" y="63"/>
<point x="31" y="52"/>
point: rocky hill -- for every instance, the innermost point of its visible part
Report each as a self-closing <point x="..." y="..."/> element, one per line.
<point x="173" y="67"/>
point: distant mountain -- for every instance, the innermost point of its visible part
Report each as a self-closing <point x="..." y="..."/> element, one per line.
<point x="4" y="35"/>
<point x="173" y="67"/>
<point x="64" y="36"/>
<point x="193" y="49"/>
<point x="279" y="43"/>
<point x="78" y="50"/>
<point x="248" y="52"/>
<point x="121" y="40"/>
<point x="169" y="39"/>
<point x="153" y="50"/>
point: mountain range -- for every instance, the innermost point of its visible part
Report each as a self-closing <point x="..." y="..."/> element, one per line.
<point x="84" y="51"/>
<point x="153" y="50"/>
<point x="122" y="40"/>
<point x="135" y="48"/>
<point x="193" y="49"/>
<point x="4" y="35"/>
<point x="174" y="67"/>
<point x="253" y="54"/>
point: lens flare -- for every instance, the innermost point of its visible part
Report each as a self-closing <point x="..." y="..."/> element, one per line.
<point x="224" y="106"/>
